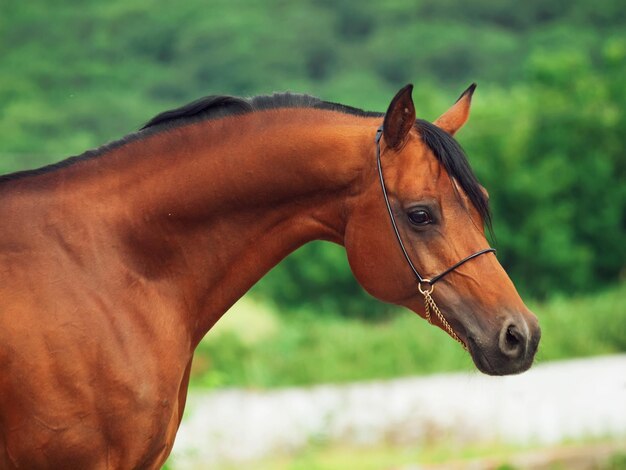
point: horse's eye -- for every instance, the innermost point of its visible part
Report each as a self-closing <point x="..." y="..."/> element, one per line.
<point x="420" y="217"/>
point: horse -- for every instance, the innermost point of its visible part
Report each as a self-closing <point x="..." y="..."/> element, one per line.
<point x="115" y="263"/>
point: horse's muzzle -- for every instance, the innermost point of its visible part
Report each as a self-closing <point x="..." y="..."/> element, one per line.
<point x="511" y="350"/>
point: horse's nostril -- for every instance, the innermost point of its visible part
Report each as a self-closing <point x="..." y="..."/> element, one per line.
<point x="512" y="339"/>
<point x="512" y="342"/>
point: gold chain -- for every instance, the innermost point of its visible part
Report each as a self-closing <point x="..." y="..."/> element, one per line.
<point x="429" y="304"/>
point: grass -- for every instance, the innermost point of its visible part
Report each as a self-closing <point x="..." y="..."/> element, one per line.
<point x="254" y="347"/>
<point x="497" y="456"/>
<point x="583" y="326"/>
<point x="444" y="454"/>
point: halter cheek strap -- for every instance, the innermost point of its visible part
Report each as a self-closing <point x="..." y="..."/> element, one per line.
<point x="424" y="285"/>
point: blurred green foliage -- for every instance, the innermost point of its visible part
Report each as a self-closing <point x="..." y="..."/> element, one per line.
<point x="303" y="349"/>
<point x="547" y="135"/>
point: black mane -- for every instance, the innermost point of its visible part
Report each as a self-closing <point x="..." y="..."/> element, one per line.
<point x="216" y="107"/>
<point x="444" y="147"/>
<point x="451" y="155"/>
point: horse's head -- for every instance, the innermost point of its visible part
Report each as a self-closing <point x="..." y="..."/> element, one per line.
<point x="439" y="210"/>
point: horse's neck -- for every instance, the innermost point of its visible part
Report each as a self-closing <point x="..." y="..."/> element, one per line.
<point x="213" y="213"/>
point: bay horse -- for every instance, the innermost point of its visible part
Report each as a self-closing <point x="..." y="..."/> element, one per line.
<point x="114" y="264"/>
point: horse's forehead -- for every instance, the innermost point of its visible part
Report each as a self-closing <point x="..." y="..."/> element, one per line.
<point x="419" y="169"/>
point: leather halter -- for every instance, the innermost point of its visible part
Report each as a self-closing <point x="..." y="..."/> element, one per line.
<point x="420" y="279"/>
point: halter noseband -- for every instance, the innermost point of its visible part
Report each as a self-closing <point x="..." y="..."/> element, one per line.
<point x="422" y="281"/>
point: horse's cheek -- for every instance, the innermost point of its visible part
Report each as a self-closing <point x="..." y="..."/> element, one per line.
<point x="373" y="262"/>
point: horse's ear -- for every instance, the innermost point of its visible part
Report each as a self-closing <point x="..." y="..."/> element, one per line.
<point x="454" y="118"/>
<point x="400" y="118"/>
